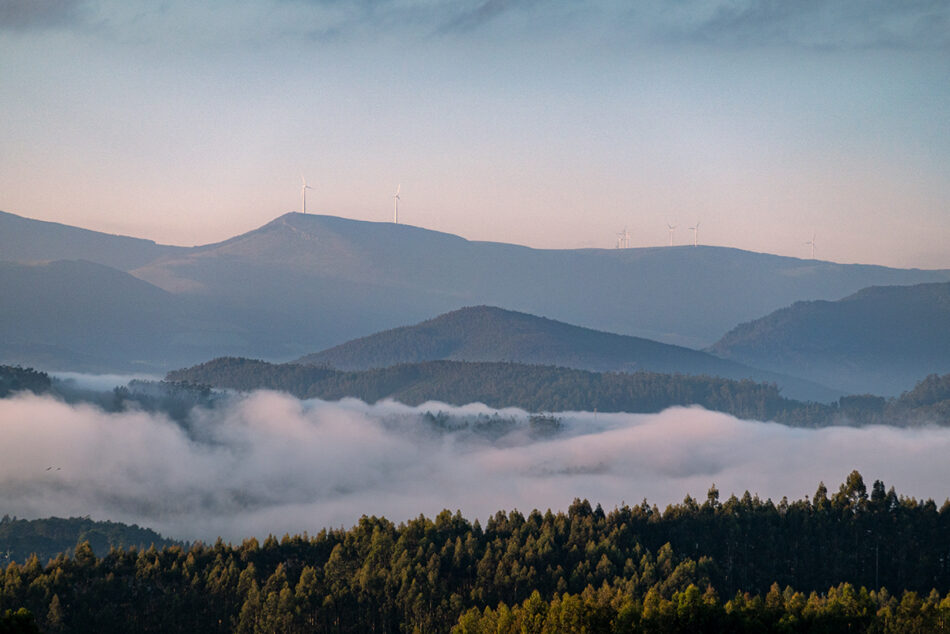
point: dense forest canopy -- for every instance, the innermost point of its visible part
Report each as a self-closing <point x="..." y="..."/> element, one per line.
<point x="46" y="538"/>
<point x="549" y="388"/>
<point x="850" y="560"/>
<point x="17" y="379"/>
<point x="533" y="388"/>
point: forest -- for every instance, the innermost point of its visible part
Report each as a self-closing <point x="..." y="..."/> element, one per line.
<point x="534" y="388"/>
<point x="48" y="537"/>
<point x="848" y="560"/>
<point x="538" y="388"/>
<point x="17" y="379"/>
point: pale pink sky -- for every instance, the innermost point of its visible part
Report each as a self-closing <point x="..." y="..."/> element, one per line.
<point x="546" y="124"/>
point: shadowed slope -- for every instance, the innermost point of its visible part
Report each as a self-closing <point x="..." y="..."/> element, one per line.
<point x="27" y="240"/>
<point x="880" y="339"/>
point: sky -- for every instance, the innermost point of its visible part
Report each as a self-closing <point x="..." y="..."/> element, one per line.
<point x="266" y="463"/>
<point x="552" y="124"/>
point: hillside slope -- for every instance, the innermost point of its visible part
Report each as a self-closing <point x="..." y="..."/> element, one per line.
<point x="78" y="315"/>
<point x="487" y="333"/>
<point x="28" y="240"/>
<point x="499" y="385"/>
<point x="880" y="339"/>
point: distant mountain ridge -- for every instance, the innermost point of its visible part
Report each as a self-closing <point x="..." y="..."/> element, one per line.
<point x="881" y="339"/>
<point x="682" y="295"/>
<point x="27" y="240"/>
<point x="488" y="333"/>
<point x="302" y="283"/>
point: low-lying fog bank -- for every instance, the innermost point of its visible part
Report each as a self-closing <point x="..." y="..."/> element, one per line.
<point x="268" y="463"/>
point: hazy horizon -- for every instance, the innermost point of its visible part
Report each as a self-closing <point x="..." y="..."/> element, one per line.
<point x="553" y="125"/>
<point x="227" y="237"/>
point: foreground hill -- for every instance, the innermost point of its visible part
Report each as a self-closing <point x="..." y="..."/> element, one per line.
<point x="47" y="538"/>
<point x="880" y="339"/>
<point x="487" y="333"/>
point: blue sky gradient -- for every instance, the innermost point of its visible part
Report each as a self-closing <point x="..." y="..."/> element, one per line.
<point x="552" y="124"/>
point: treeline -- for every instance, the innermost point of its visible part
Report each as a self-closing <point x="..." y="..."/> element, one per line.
<point x="739" y="565"/>
<point x="18" y="379"/>
<point x="49" y="537"/>
<point x="842" y="609"/>
<point x="173" y="399"/>
<point x="534" y="388"/>
<point x="549" y="388"/>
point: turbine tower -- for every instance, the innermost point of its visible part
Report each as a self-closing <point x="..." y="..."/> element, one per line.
<point x="672" y="228"/>
<point x="396" y="204"/>
<point x="811" y="243"/>
<point x="623" y="239"/>
<point x="303" y="194"/>
<point x="695" y="230"/>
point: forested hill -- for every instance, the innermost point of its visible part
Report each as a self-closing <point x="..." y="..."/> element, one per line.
<point x="552" y="389"/>
<point x="742" y="564"/>
<point x="534" y="388"/>
<point x="881" y="339"/>
<point x="49" y="537"/>
<point x="17" y="379"/>
<point x="488" y="333"/>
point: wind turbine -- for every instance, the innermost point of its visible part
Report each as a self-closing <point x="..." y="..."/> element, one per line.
<point x="396" y="204"/>
<point x="623" y="239"/>
<point x="695" y="230"/>
<point x="811" y="243"/>
<point x="672" y="228"/>
<point x="303" y="194"/>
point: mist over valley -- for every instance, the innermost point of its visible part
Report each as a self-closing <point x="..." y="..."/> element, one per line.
<point x="268" y="463"/>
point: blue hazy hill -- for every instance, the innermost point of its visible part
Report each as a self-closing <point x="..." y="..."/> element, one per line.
<point x="881" y="339"/>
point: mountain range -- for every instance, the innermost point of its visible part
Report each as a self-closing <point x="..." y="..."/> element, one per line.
<point x="304" y="283"/>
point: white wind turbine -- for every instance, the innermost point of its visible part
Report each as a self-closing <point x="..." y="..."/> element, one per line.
<point x="303" y="194"/>
<point x="695" y="230"/>
<point x="811" y="243"/>
<point x="396" y="204"/>
<point x="672" y="228"/>
<point x="623" y="239"/>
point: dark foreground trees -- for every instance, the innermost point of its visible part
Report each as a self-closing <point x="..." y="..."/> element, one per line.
<point x="743" y="564"/>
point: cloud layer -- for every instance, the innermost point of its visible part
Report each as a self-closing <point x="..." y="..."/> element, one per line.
<point x="859" y="24"/>
<point x="268" y="463"/>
